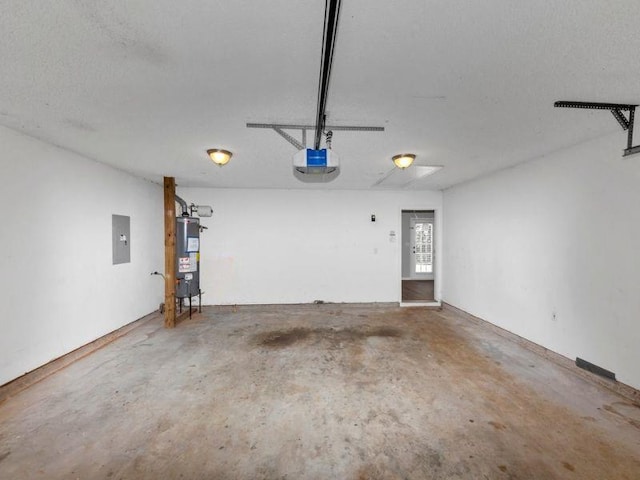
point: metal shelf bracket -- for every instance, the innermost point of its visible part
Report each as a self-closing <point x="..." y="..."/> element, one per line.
<point x="280" y="127"/>
<point x="616" y="110"/>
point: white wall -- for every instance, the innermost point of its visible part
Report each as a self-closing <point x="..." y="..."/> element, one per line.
<point x="297" y="246"/>
<point x="59" y="289"/>
<point x="549" y="250"/>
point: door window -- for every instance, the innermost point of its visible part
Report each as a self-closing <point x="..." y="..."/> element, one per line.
<point x="423" y="247"/>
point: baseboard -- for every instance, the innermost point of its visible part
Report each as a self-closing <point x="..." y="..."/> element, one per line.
<point x="317" y="303"/>
<point x="19" y="384"/>
<point x="620" y="388"/>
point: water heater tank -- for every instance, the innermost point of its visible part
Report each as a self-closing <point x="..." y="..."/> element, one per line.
<point x="187" y="257"/>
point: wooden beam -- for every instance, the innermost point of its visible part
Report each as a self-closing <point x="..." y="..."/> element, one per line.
<point x="169" y="252"/>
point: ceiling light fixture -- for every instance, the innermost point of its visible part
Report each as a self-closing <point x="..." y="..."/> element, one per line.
<point x="403" y="160"/>
<point x="218" y="156"/>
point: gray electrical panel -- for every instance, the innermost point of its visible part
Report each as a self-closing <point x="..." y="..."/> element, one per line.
<point x="187" y="257"/>
<point x="120" y="239"/>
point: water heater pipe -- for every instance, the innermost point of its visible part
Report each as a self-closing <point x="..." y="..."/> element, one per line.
<point x="183" y="204"/>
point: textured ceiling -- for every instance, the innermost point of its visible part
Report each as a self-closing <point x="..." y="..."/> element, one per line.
<point x="148" y="86"/>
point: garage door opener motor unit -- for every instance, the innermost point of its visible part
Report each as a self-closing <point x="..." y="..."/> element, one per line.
<point x="316" y="162"/>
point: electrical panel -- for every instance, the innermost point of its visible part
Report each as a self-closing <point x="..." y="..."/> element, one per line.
<point x="120" y="239"/>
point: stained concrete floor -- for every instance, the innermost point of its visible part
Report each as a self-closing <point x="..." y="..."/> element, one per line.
<point x="318" y="392"/>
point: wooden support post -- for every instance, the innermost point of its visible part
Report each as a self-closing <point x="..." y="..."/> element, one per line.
<point x="169" y="252"/>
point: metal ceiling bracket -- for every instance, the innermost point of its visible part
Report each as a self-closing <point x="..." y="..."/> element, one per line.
<point x="624" y="123"/>
<point x="616" y="110"/>
<point x="290" y="139"/>
<point x="280" y="127"/>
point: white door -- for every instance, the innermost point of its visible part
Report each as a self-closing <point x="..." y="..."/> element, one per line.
<point x="422" y="248"/>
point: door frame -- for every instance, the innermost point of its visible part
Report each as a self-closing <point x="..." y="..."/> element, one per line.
<point x="437" y="254"/>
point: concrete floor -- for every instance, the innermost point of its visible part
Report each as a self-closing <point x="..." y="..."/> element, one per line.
<point x="318" y="392"/>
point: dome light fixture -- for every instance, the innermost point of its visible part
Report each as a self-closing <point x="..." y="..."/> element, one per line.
<point x="403" y="160"/>
<point x="219" y="156"/>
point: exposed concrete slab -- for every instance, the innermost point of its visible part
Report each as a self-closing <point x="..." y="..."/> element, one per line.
<point x="316" y="392"/>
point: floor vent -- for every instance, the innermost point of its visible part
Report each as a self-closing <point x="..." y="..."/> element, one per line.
<point x="595" y="369"/>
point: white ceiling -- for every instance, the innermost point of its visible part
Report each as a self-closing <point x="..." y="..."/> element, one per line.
<point x="148" y="86"/>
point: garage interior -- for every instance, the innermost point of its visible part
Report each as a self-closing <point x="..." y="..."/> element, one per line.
<point x="471" y="315"/>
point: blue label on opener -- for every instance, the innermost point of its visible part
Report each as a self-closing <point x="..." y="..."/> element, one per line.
<point x="316" y="158"/>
